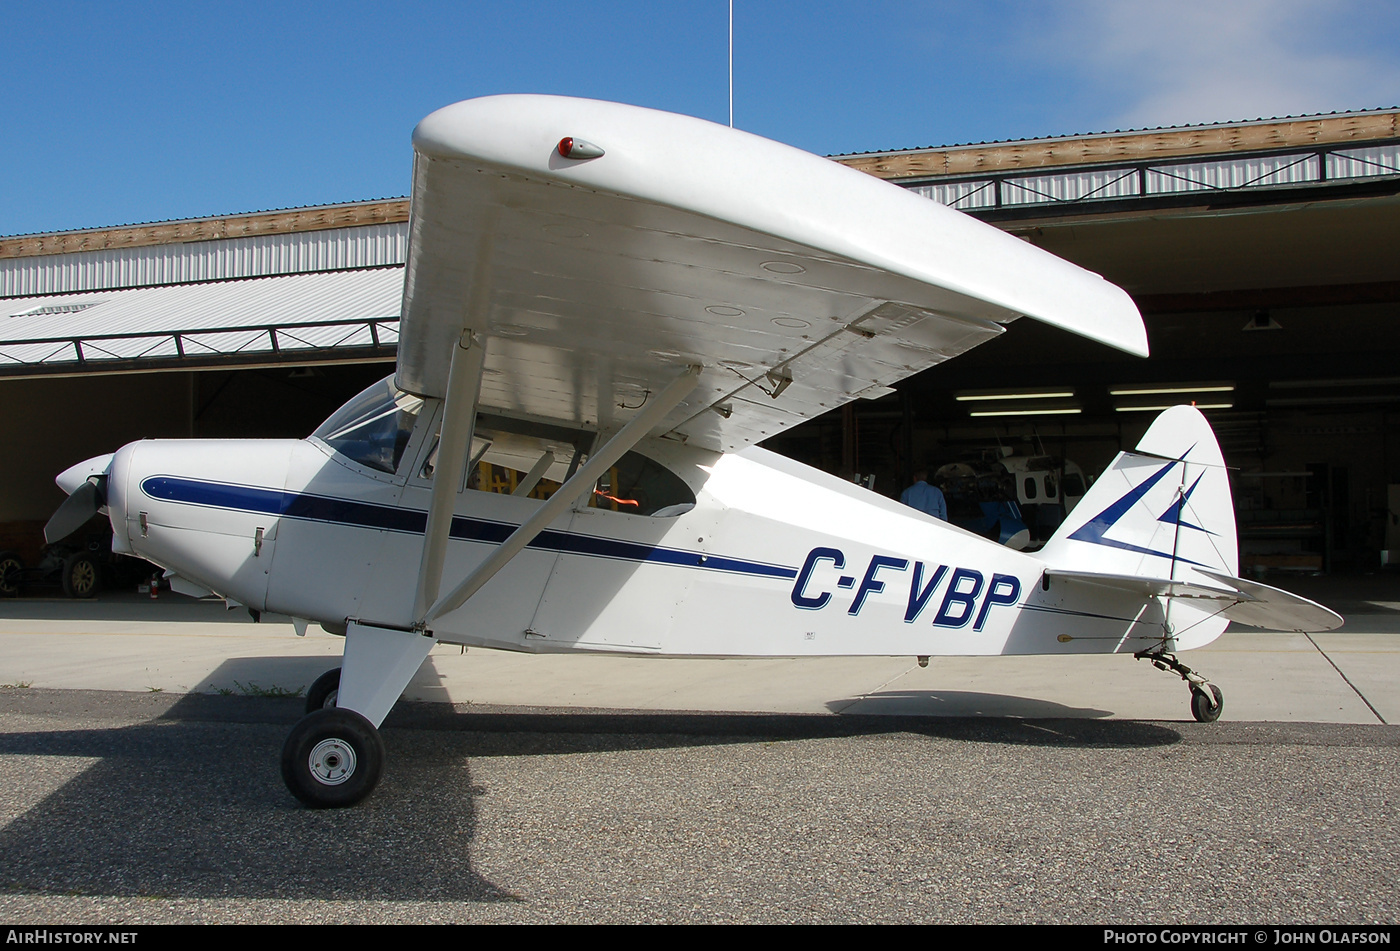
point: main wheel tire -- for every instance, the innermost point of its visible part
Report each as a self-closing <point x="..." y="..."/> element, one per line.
<point x="1202" y="708"/>
<point x="10" y="567"/>
<point x="82" y="577"/>
<point x="323" y="692"/>
<point x="333" y="758"/>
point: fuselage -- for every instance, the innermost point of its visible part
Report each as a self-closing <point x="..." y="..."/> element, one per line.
<point x="772" y="559"/>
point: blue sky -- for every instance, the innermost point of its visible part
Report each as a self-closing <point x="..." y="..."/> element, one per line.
<point x="112" y="113"/>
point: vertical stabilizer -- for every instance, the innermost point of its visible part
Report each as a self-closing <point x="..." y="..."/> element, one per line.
<point x="1161" y="511"/>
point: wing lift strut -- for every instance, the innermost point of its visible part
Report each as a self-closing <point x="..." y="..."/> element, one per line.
<point x="373" y="687"/>
<point x="335" y="754"/>
<point x="583" y="478"/>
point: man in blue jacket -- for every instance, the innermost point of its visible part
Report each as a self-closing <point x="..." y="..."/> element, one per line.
<point x="924" y="497"/>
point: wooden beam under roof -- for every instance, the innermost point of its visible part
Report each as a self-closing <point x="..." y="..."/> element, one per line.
<point x="317" y="218"/>
<point x="1219" y="139"/>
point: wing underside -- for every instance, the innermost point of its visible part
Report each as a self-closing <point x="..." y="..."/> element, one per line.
<point x="794" y="283"/>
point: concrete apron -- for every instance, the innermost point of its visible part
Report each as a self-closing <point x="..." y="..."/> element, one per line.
<point x="179" y="646"/>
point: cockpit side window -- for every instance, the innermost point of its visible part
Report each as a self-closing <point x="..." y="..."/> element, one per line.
<point x="373" y="428"/>
<point x="521" y="458"/>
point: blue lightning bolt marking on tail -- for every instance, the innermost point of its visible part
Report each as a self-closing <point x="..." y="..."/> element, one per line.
<point x="1093" y="531"/>
<point x="1176" y="515"/>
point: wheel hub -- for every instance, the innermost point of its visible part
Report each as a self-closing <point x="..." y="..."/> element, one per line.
<point x="9" y="575"/>
<point x="332" y="762"/>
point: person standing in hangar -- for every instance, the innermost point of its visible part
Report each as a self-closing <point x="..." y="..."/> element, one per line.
<point x="924" y="497"/>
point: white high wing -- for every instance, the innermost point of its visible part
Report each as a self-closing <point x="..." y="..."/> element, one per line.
<point x="625" y="302"/>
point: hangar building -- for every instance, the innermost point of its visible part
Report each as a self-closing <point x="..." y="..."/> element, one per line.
<point x="1262" y="255"/>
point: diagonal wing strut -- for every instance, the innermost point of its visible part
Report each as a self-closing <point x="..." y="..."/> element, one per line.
<point x="598" y="463"/>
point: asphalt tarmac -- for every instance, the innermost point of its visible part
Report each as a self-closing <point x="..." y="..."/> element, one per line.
<point x="130" y="808"/>
<point x="835" y="798"/>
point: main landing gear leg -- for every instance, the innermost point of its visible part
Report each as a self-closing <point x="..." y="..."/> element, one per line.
<point x="1206" y="699"/>
<point x="335" y="755"/>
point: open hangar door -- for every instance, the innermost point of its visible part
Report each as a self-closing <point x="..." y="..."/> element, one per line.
<point x="1307" y="413"/>
<point x="57" y="421"/>
<point x="1280" y="319"/>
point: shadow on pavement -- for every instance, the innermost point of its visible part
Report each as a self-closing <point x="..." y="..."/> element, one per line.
<point x="127" y="606"/>
<point x="184" y="807"/>
<point x="185" y="799"/>
<point x="964" y="703"/>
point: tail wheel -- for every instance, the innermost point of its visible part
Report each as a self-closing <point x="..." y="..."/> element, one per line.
<point x="1206" y="707"/>
<point x="10" y="567"/>
<point x="333" y="758"/>
<point x="81" y="576"/>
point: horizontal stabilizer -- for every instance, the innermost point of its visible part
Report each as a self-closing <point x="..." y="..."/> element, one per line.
<point x="1244" y="602"/>
<point x="1276" y="610"/>
<point x="1146" y="587"/>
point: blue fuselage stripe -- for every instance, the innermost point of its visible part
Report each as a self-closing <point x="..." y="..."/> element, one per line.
<point x="320" y="508"/>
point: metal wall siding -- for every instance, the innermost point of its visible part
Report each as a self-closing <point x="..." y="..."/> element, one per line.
<point x="1073" y="186"/>
<point x="1168" y="178"/>
<point x="1364" y="163"/>
<point x="127" y="348"/>
<point x="1241" y="173"/>
<point x="960" y="195"/>
<point x="256" y="256"/>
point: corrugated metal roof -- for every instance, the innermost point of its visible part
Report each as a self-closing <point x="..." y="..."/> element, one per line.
<point x="241" y="318"/>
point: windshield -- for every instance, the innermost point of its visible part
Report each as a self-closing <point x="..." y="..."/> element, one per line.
<point x="373" y="428"/>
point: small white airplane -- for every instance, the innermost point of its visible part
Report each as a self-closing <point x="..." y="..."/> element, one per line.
<point x="626" y="301"/>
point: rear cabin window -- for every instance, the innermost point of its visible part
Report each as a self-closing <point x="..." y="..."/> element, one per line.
<point x="639" y="486"/>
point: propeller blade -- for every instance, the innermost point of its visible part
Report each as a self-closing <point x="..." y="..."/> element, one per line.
<point x="74" y="513"/>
